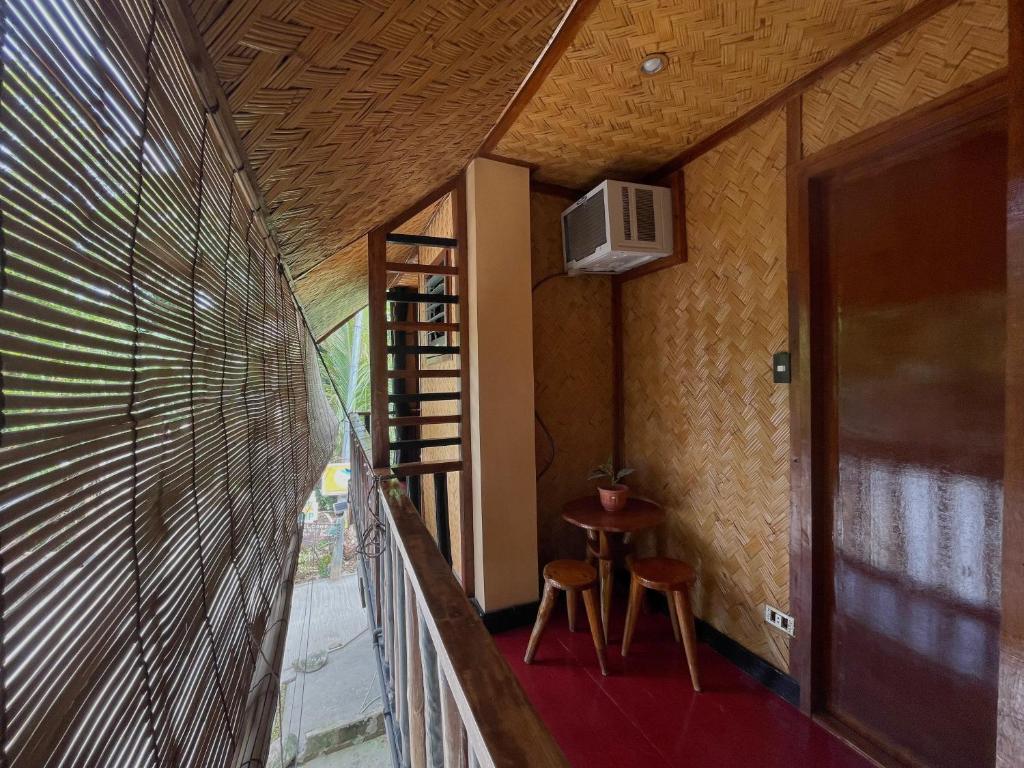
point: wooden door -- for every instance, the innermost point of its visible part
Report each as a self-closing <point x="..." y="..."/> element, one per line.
<point x="912" y="256"/>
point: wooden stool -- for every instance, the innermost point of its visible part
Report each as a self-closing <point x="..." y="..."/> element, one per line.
<point x="571" y="576"/>
<point x="675" y="578"/>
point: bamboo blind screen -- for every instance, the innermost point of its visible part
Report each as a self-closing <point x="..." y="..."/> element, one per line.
<point x="162" y="417"/>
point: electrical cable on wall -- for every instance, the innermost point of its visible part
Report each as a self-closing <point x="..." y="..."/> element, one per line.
<point x="551" y="443"/>
<point x="536" y="414"/>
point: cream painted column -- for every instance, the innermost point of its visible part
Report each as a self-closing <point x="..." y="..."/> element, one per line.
<point x="501" y="384"/>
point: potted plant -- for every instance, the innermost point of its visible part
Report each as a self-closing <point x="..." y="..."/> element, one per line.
<point x="612" y="492"/>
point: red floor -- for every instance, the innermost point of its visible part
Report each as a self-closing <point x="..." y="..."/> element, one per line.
<point x="646" y="714"/>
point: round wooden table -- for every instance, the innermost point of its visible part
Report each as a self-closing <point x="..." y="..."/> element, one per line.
<point x="587" y="513"/>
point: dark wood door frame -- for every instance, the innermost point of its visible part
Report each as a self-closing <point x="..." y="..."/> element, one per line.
<point x="969" y="109"/>
<point x="1010" y="749"/>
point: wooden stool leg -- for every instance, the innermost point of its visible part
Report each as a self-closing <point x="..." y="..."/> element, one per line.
<point x="636" y="597"/>
<point x="682" y="601"/>
<point x="673" y="614"/>
<point x="605" y="573"/>
<point x="570" y="604"/>
<point x="543" y="614"/>
<point x="590" y="601"/>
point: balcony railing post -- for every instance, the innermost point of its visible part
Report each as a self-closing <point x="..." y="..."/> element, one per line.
<point x="455" y="746"/>
<point x="399" y="654"/>
<point x="439" y="667"/>
<point x="414" y="682"/>
<point x="431" y="700"/>
<point x="387" y="595"/>
<point x="375" y="540"/>
<point x="372" y="575"/>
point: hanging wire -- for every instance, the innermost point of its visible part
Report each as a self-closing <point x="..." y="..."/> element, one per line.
<point x="371" y="538"/>
<point x="218" y="677"/>
<point x="251" y="485"/>
<point x="305" y="386"/>
<point x="369" y="543"/>
<point x="330" y="374"/>
<point x="266" y="399"/>
<point x="551" y="444"/>
<point x="282" y="284"/>
<point x="305" y="655"/>
<point x="255" y="642"/>
<point x="232" y="505"/>
<point x="3" y="407"/>
<point x="133" y="418"/>
<point x="536" y="414"/>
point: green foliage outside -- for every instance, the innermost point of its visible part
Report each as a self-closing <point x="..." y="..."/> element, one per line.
<point x="347" y="355"/>
<point x="315" y="560"/>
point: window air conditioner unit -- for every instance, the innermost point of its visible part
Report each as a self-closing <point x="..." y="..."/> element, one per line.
<point x="617" y="226"/>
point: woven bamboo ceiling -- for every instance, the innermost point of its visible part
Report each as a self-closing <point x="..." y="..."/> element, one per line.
<point x="351" y="110"/>
<point x="336" y="288"/>
<point x="596" y="116"/>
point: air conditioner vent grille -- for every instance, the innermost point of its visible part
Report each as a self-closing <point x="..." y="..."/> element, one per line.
<point x="645" y="216"/>
<point x="586" y="228"/>
<point x="627" y="226"/>
<point x="616" y="227"/>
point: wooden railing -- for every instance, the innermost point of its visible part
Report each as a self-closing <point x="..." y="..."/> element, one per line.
<point x="451" y="700"/>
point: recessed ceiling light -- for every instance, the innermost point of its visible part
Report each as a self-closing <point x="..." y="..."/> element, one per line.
<point x="654" y="63"/>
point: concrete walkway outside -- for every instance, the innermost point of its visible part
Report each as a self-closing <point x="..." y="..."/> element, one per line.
<point x="370" y="754"/>
<point x="326" y="614"/>
<point x="329" y="639"/>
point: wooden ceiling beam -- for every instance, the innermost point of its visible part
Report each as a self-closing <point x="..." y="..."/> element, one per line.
<point x="323" y="337"/>
<point x="885" y="34"/>
<point x="573" y="21"/>
<point x="556" y="190"/>
<point x="510" y="160"/>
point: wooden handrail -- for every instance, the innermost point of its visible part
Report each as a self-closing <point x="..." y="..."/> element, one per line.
<point x="445" y="656"/>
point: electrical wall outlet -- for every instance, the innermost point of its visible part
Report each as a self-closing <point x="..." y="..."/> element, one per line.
<point x="780" y="620"/>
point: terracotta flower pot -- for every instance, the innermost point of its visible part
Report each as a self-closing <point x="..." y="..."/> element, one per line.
<point x="613" y="497"/>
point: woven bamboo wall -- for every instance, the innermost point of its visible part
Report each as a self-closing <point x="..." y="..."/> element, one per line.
<point x="705" y="427"/>
<point x="954" y="47"/>
<point x="572" y="363"/>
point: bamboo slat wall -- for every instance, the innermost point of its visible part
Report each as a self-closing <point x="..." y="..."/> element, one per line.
<point x="954" y="47"/>
<point x="572" y="364"/>
<point x="351" y="110"/>
<point x="597" y="116"/>
<point x="705" y="427"/>
<point x="162" y="417"/>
